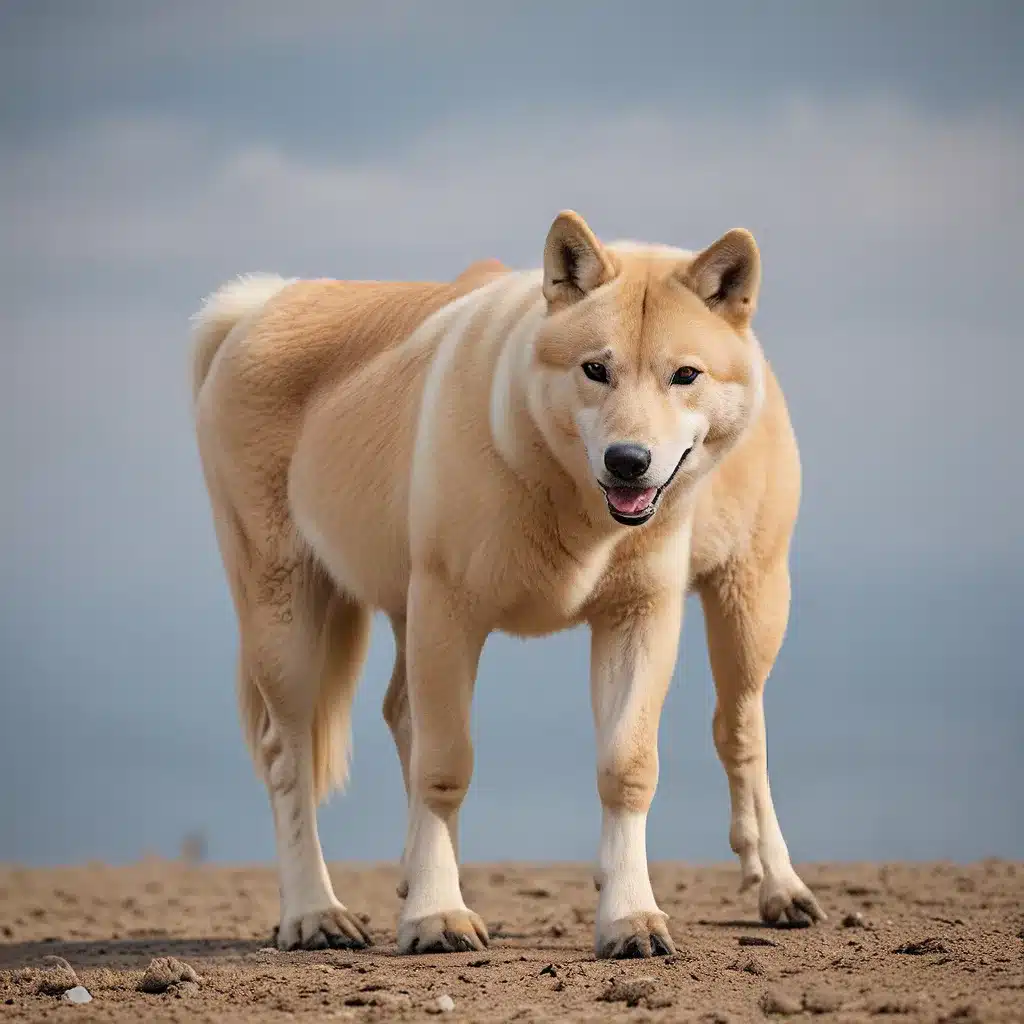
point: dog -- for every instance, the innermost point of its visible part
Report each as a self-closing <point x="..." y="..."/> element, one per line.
<point x="523" y="451"/>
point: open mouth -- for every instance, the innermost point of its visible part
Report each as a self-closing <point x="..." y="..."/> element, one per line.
<point x="632" y="506"/>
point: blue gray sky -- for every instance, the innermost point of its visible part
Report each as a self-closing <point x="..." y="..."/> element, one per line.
<point x="150" y="151"/>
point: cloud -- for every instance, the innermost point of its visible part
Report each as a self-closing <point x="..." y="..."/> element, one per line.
<point x="830" y="186"/>
<point x="889" y="238"/>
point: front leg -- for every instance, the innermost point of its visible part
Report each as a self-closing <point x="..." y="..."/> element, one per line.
<point x="442" y="652"/>
<point x="633" y="653"/>
<point x="746" y="608"/>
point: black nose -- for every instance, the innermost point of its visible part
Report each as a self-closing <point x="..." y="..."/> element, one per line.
<point x="627" y="461"/>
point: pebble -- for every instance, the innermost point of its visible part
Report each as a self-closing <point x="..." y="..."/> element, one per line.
<point x="78" y="994"/>
<point x="750" y="966"/>
<point x="854" y="921"/>
<point x="445" y="1003"/>
<point x="633" y="992"/>
<point x="776" y="1002"/>
<point x="922" y="947"/>
<point x="165" y="971"/>
<point x="384" y="999"/>
<point x="56" y="961"/>
<point x="57" y="977"/>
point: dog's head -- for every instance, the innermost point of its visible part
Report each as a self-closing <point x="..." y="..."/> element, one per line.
<point x="648" y="370"/>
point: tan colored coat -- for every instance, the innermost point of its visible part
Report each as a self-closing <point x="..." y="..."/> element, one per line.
<point x="514" y="451"/>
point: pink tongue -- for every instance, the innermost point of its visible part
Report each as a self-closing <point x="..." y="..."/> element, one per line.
<point x="629" y="500"/>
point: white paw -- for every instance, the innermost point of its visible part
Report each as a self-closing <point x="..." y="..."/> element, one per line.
<point x="333" y="927"/>
<point x="636" y="936"/>
<point x="452" y="931"/>
<point x="784" y="899"/>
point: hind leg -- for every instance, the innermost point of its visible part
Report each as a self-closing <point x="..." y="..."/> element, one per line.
<point x="746" y="609"/>
<point x="301" y="653"/>
<point x="396" y="703"/>
<point x="396" y="714"/>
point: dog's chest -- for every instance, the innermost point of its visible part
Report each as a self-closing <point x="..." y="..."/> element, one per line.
<point x="547" y="591"/>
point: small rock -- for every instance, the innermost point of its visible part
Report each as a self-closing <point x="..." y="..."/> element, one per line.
<point x="183" y="989"/>
<point x="78" y="994"/>
<point x="854" y="921"/>
<point x="374" y="996"/>
<point x="755" y="940"/>
<point x="57" y="977"/>
<point x="631" y="991"/>
<point x="550" y="969"/>
<point x="165" y="971"/>
<point x="557" y="930"/>
<point x="921" y="948"/>
<point x="749" y="966"/>
<point x="56" y="961"/>
<point x="445" y="1003"/>
<point x="778" y="1002"/>
<point x="539" y="893"/>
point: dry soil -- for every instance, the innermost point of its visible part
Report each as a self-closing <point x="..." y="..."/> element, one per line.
<point x="903" y="943"/>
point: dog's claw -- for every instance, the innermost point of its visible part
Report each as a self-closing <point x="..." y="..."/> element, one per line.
<point x="634" y="937"/>
<point x="333" y="928"/>
<point x="457" y="931"/>
<point x="787" y="901"/>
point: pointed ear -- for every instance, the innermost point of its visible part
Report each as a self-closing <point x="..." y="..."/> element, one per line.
<point x="575" y="262"/>
<point x="727" y="276"/>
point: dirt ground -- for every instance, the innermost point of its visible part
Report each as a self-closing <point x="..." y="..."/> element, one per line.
<point x="904" y="942"/>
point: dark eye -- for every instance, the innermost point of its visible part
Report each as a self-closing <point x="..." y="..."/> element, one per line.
<point x="596" y="371"/>
<point x="685" y="375"/>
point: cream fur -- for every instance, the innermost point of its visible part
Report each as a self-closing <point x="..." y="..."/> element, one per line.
<point x="435" y="451"/>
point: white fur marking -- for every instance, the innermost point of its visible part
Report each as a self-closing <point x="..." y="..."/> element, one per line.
<point x="431" y="866"/>
<point x="305" y="884"/>
<point x="622" y="865"/>
<point x="515" y="350"/>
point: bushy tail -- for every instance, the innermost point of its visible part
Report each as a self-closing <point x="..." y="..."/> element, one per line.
<point x="221" y="311"/>
<point x="334" y="633"/>
<point x="345" y="639"/>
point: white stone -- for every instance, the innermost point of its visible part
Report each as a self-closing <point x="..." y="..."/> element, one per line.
<point x="445" y="1003"/>
<point x="78" y="994"/>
